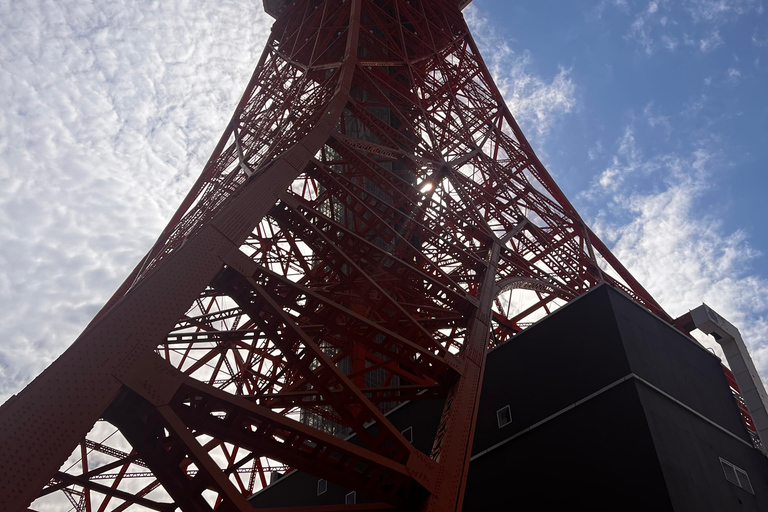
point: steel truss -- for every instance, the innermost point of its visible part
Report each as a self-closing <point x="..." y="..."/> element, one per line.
<point x="371" y="222"/>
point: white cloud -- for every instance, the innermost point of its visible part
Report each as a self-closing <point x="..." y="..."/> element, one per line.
<point x="710" y="41"/>
<point x="680" y="256"/>
<point x="669" y="43"/>
<point x="719" y="11"/>
<point x="597" y="11"/>
<point x="107" y="114"/>
<point x="625" y="162"/>
<point x="641" y="31"/>
<point x="535" y="102"/>
<point x="628" y="162"/>
<point x="656" y="120"/>
<point x="697" y="23"/>
<point x="595" y="151"/>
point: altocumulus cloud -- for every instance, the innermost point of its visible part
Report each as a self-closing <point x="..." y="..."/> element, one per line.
<point x="108" y="111"/>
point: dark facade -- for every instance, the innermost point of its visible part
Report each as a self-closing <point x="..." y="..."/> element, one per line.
<point x="609" y="408"/>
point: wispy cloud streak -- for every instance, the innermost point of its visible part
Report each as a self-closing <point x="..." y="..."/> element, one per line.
<point x="682" y="257"/>
<point x="664" y="24"/>
<point x="536" y="102"/>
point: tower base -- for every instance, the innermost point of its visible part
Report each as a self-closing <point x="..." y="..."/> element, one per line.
<point x="602" y="405"/>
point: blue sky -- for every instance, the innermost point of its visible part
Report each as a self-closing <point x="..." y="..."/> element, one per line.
<point x="653" y="118"/>
<point x="650" y="115"/>
<point x="682" y="74"/>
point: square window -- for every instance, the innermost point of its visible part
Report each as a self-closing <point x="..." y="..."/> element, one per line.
<point x="730" y="473"/>
<point x="744" y="480"/>
<point x="736" y="476"/>
<point x="351" y="498"/>
<point x="408" y="434"/>
<point x="322" y="486"/>
<point x="504" y="416"/>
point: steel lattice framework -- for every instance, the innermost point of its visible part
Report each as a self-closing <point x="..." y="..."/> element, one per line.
<point x="371" y="222"/>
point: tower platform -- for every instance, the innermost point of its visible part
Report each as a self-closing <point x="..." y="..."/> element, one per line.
<point x="600" y="406"/>
<point x="274" y="7"/>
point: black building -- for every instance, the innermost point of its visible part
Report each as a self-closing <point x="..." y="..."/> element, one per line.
<point x="601" y="406"/>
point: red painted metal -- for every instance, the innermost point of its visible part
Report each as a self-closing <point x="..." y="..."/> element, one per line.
<point x="371" y="222"/>
<point x="740" y="403"/>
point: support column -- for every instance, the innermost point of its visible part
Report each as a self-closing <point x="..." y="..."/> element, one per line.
<point x="751" y="387"/>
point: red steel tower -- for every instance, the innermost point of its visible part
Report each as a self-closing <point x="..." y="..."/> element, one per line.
<point x="371" y="221"/>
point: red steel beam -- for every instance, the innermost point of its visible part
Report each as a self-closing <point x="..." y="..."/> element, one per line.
<point x="369" y="204"/>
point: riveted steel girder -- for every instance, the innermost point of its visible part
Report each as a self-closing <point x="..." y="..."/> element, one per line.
<point x="353" y="242"/>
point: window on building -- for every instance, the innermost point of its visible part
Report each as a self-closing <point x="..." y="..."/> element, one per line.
<point x="736" y="476"/>
<point x="322" y="486"/>
<point x="408" y="434"/>
<point x="351" y="498"/>
<point x="504" y="416"/>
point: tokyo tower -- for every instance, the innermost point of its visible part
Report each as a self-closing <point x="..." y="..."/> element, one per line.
<point x="371" y="222"/>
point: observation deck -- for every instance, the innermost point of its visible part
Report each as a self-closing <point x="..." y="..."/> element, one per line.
<point x="273" y="7"/>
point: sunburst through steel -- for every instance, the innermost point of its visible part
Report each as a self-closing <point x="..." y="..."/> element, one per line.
<point x="371" y="222"/>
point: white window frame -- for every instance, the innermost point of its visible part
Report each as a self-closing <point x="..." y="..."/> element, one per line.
<point x="506" y="409"/>
<point x="322" y="486"/>
<point x="350" y="498"/>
